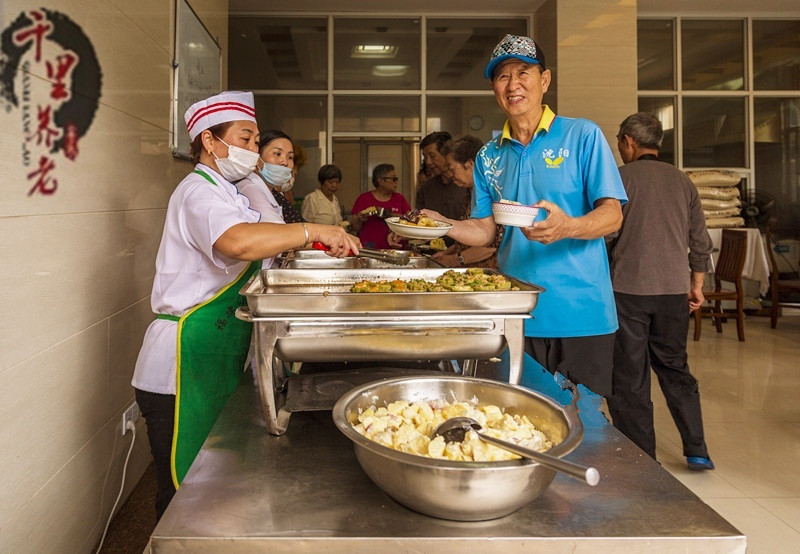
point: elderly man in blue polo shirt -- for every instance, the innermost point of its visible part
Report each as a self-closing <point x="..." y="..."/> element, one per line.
<point x="564" y="167"/>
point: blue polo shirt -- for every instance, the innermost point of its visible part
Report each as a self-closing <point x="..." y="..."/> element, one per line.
<point x="569" y="163"/>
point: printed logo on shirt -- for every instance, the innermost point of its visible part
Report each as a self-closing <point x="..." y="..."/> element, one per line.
<point x="492" y="173"/>
<point x="553" y="159"/>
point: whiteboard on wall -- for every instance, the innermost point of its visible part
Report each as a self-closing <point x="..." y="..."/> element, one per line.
<point x="197" y="71"/>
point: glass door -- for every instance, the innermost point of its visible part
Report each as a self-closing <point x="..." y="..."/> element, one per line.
<point x="357" y="157"/>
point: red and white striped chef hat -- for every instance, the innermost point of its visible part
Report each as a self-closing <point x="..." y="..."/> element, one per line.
<point x="221" y="108"/>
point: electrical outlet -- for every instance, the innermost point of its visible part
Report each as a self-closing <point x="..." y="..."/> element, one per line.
<point x="132" y="415"/>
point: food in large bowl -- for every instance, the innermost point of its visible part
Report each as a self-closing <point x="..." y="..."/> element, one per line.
<point x="462" y="491"/>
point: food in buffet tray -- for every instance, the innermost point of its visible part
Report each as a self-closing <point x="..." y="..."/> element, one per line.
<point x="408" y="427"/>
<point x="438" y="244"/>
<point x="473" y="279"/>
<point x="415" y="217"/>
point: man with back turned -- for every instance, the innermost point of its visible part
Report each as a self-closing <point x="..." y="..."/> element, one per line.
<point x="656" y="286"/>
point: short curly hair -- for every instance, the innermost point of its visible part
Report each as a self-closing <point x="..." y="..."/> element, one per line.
<point x="380" y="171"/>
<point x="328" y="171"/>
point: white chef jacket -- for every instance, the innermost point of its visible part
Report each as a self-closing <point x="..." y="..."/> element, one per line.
<point x="318" y="209"/>
<point x="188" y="270"/>
<point x="263" y="201"/>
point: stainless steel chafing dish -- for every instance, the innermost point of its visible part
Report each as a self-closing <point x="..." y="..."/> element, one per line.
<point x="315" y="259"/>
<point x="311" y="316"/>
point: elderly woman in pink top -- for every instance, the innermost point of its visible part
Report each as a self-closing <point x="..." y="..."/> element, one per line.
<point x="373" y="230"/>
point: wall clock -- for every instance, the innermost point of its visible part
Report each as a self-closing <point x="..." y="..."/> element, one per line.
<point x="476" y="123"/>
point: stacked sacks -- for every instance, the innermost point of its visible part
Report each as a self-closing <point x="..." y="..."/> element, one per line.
<point x="719" y="196"/>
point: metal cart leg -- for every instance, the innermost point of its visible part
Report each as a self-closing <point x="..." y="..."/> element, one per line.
<point x="515" y="337"/>
<point x="469" y="367"/>
<point x="270" y="382"/>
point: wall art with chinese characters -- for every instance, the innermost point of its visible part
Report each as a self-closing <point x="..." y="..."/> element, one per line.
<point x="43" y="43"/>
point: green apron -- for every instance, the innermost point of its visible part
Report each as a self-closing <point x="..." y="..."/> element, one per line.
<point x="212" y="350"/>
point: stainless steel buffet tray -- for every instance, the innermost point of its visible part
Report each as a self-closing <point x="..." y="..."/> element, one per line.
<point x="327" y="291"/>
<point x="351" y="262"/>
<point x="315" y="259"/>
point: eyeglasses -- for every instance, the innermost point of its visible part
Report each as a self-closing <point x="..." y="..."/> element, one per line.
<point x="395" y="179"/>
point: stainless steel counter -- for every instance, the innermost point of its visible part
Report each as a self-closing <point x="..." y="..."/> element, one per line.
<point x="249" y="491"/>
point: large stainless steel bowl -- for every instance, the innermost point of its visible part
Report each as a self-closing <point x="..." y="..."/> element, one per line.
<point x="462" y="491"/>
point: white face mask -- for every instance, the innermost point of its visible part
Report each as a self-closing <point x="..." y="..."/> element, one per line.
<point x="239" y="164"/>
<point x="278" y="176"/>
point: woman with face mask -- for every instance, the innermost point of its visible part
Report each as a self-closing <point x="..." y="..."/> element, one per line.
<point x="193" y="354"/>
<point x="273" y="176"/>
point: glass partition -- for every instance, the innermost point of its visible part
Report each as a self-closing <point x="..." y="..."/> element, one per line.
<point x="776" y="55"/>
<point x="777" y="159"/>
<point x="459" y="49"/>
<point x="376" y="54"/>
<point x="376" y="114"/>
<point x="714" y="132"/>
<point x="712" y="54"/>
<point x="357" y="157"/>
<point x="277" y="53"/>
<point x="471" y="115"/>
<point x="656" y="54"/>
<point x="664" y="110"/>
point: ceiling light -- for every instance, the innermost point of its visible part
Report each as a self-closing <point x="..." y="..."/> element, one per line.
<point x="374" y="51"/>
<point x="389" y="70"/>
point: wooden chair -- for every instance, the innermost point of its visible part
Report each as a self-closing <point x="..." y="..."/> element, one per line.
<point x="777" y="285"/>
<point x="729" y="268"/>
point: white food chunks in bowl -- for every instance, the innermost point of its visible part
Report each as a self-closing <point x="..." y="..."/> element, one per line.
<point x="408" y="427"/>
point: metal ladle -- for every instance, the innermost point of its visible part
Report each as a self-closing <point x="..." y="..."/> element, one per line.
<point x="455" y="429"/>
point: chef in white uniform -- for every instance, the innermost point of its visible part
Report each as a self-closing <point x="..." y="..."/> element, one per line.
<point x="194" y="352"/>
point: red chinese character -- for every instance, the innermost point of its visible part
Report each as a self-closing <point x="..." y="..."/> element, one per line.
<point x="62" y="69"/>
<point x="71" y="141"/>
<point x="44" y="132"/>
<point x="36" y="33"/>
<point x="44" y="184"/>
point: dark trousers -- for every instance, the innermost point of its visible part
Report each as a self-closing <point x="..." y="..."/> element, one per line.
<point x="585" y="361"/>
<point x="652" y="334"/>
<point x="159" y="414"/>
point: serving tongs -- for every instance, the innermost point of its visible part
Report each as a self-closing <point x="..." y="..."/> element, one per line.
<point x="396" y="257"/>
<point x="415" y="248"/>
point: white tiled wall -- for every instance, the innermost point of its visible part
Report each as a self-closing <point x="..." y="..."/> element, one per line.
<point x="76" y="272"/>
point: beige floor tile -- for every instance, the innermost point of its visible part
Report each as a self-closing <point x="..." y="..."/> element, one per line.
<point x="762" y="459"/>
<point x="751" y="416"/>
<point x="717" y="406"/>
<point x="786" y="509"/>
<point x="705" y="484"/>
<point x="766" y="533"/>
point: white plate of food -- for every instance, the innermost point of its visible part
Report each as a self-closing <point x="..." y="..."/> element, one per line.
<point x="429" y="230"/>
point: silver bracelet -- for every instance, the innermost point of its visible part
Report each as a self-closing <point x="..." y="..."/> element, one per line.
<point x="305" y="230"/>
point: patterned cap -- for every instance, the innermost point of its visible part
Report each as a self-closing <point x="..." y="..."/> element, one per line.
<point x="514" y="47"/>
<point x="221" y="108"/>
